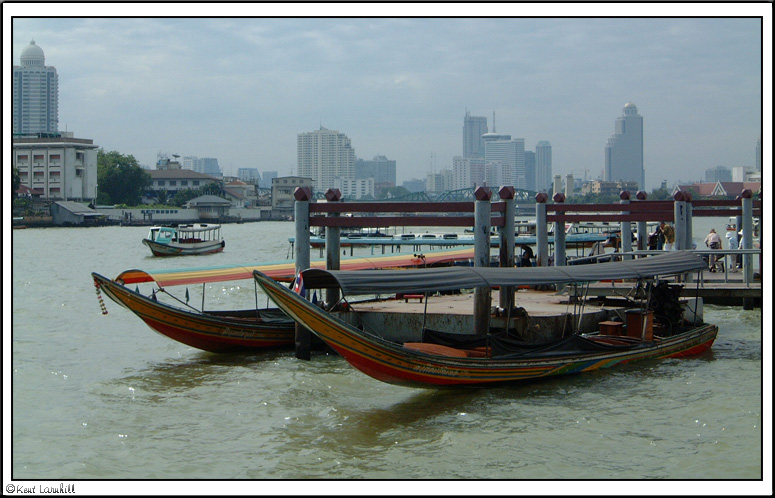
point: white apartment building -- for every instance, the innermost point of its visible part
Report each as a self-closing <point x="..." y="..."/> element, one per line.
<point x="325" y="155"/>
<point x="439" y="182"/>
<point x="511" y="154"/>
<point x="355" y="189"/>
<point x="467" y="172"/>
<point x="35" y="94"/>
<point x="60" y="168"/>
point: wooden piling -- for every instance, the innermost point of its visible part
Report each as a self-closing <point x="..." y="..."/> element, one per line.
<point x="333" y="243"/>
<point x="626" y="226"/>
<point x="482" y="295"/>
<point x="303" y="339"/>
<point x="507" y="239"/>
<point x="542" y="239"/>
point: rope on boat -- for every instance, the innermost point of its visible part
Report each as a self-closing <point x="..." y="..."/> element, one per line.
<point x="161" y="289"/>
<point x="99" y="298"/>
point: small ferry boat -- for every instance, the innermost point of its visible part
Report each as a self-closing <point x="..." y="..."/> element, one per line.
<point x="182" y="240"/>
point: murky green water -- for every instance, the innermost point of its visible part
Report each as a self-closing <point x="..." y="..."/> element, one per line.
<point x="96" y="397"/>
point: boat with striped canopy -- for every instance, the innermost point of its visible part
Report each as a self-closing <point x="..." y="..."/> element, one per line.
<point x="464" y="359"/>
<point x="231" y="330"/>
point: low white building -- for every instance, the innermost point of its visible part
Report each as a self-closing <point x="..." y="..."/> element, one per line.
<point x="355" y="189"/>
<point x="60" y="168"/>
<point x="173" y="180"/>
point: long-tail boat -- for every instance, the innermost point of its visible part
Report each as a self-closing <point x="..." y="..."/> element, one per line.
<point x="231" y="330"/>
<point x="465" y="359"/>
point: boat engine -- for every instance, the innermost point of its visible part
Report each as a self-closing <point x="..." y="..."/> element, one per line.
<point x="668" y="311"/>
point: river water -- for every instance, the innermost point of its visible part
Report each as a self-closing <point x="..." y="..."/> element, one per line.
<point x="90" y="398"/>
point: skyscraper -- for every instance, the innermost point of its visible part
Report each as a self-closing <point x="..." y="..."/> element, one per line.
<point x="510" y="153"/>
<point x="325" y="155"/>
<point x="544" y="175"/>
<point x="381" y="169"/>
<point x="473" y="129"/>
<point x="624" y="151"/>
<point x="35" y="94"/>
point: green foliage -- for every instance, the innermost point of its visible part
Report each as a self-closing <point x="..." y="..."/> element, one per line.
<point x="184" y="195"/>
<point x="660" y="194"/>
<point x="120" y="178"/>
<point x="16" y="181"/>
<point x="22" y="206"/>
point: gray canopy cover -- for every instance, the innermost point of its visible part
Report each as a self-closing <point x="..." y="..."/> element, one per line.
<point x="422" y="280"/>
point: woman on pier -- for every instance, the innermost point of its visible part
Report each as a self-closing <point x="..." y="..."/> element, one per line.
<point x="713" y="241"/>
<point x="669" y="234"/>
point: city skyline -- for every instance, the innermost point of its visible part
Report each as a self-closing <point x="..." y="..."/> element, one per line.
<point x="242" y="89"/>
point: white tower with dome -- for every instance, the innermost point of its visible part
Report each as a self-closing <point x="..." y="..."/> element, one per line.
<point x="35" y="94"/>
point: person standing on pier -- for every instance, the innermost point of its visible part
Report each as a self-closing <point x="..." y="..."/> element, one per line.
<point x="527" y="256"/>
<point x="713" y="241"/>
<point x="669" y="234"/>
<point x="732" y="241"/>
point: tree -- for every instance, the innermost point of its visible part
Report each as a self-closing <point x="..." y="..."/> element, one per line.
<point x="120" y="178"/>
<point x="16" y="181"/>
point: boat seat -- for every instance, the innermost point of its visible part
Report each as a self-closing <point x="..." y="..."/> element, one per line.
<point x="437" y="349"/>
<point x="407" y="297"/>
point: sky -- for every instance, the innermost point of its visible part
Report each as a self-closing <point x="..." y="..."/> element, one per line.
<point x="240" y="89"/>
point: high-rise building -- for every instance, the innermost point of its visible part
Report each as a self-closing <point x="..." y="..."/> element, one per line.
<point x="248" y="175"/>
<point x="35" y="94"/>
<point x="718" y="174"/>
<point x="530" y="170"/>
<point x="624" y="150"/>
<point x="266" y="179"/>
<point x="467" y="172"/>
<point x="759" y="155"/>
<point x="510" y="152"/>
<point x="381" y="169"/>
<point x="325" y="155"/>
<point x="543" y="159"/>
<point x="204" y="165"/>
<point x="474" y="127"/>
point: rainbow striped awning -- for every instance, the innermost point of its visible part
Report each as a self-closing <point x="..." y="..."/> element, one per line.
<point x="285" y="271"/>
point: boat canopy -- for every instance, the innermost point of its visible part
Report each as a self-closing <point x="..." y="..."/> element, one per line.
<point x="284" y="271"/>
<point x="451" y="278"/>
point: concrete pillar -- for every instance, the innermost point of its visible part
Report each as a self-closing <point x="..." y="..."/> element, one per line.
<point x="679" y="212"/>
<point x="689" y="235"/>
<point x="507" y="237"/>
<point x="333" y="244"/>
<point x="626" y="226"/>
<point x="482" y="295"/>
<point x="641" y="226"/>
<point x="542" y="230"/>
<point x="559" y="235"/>
<point x="303" y="195"/>
<point x="747" y="208"/>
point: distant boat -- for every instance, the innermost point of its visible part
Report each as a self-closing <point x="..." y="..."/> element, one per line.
<point x="183" y="240"/>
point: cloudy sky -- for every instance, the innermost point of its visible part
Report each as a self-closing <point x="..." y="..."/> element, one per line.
<point x="241" y="89"/>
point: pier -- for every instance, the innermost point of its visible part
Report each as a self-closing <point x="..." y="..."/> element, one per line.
<point x="633" y="215"/>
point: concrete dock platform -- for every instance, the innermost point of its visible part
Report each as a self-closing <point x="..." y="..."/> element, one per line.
<point x="539" y="316"/>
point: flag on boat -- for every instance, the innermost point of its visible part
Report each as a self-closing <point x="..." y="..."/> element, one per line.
<point x="298" y="286"/>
